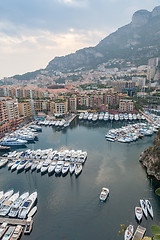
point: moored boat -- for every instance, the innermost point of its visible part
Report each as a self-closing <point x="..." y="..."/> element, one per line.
<point x="129" y="232"/>
<point x="144" y="207"/>
<point x="27" y="205"/>
<point x="104" y="194"/>
<point x="32" y="212"/>
<point x="6" y="206"/>
<point x="149" y="207"/>
<point x="78" y="169"/>
<point x="16" y="205"/>
<point x="3" y="162"/>
<point x="138" y="213"/>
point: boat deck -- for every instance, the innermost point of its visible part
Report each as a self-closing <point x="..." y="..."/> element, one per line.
<point x="139" y="233"/>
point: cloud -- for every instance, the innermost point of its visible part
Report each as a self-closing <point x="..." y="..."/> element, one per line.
<point x="28" y="50"/>
<point x="74" y="3"/>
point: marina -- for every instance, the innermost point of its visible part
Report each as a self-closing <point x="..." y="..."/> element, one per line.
<point x="73" y="203"/>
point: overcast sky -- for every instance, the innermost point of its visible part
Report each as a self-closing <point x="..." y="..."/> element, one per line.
<point x="33" y="32"/>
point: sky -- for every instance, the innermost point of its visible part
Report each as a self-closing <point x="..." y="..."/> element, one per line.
<point x="33" y="32"/>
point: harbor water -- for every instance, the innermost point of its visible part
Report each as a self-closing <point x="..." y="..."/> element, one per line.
<point x="69" y="207"/>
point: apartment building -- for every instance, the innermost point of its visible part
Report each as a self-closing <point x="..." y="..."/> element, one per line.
<point x="126" y="105"/>
<point x="24" y="109"/>
<point x="61" y="107"/>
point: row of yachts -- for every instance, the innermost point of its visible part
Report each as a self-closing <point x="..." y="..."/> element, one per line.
<point x="56" y="123"/>
<point x="15" y="205"/>
<point x="107" y="116"/>
<point x="21" y="136"/>
<point x="131" y="132"/>
<point x="60" y="162"/>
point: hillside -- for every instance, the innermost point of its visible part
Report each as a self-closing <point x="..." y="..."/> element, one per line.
<point x="139" y="40"/>
<point x="150" y="158"/>
<point x="136" y="42"/>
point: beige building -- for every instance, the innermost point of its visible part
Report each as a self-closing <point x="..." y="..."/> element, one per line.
<point x="61" y="107"/>
<point x="126" y="105"/>
<point x="24" y="109"/>
<point x="12" y="109"/>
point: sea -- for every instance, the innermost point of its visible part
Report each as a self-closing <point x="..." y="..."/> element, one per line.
<point x="68" y="207"/>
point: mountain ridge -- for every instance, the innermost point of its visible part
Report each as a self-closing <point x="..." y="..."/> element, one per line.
<point x="138" y="40"/>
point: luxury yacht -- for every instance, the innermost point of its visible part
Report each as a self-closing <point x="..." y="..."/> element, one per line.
<point x="6" y="196"/>
<point x="6" y="206"/>
<point x="17" y="204"/>
<point x="21" y="165"/>
<point x="27" y="205"/>
<point x="15" y="165"/>
<point x="13" y="142"/>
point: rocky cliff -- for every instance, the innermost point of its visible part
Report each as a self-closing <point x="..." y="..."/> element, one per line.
<point x="150" y="158"/>
<point x="139" y="40"/>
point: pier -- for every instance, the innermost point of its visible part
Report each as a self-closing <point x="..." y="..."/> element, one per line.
<point x="139" y="233"/>
<point x="14" y="221"/>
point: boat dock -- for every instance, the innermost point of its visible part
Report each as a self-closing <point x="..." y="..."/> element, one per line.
<point x="72" y="118"/>
<point x="15" y="221"/>
<point x="139" y="233"/>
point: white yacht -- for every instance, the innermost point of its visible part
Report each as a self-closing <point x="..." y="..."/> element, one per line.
<point x="116" y="117"/>
<point x="10" y="164"/>
<point x="52" y="167"/>
<point x="21" y="165"/>
<point x="81" y="116"/>
<point x="72" y="168"/>
<point x="27" y="205"/>
<point x="106" y="116"/>
<point x="78" y="168"/>
<point x="90" y="115"/>
<point x="45" y="166"/>
<point x="130" y="116"/>
<point x="39" y="165"/>
<point x="34" y="165"/>
<point x="59" y="166"/>
<point x="13" y="142"/>
<point x="17" y="204"/>
<point x="28" y="165"/>
<point x="144" y="207"/>
<point x="138" y="213"/>
<point x="111" y="117"/>
<point x="5" y="196"/>
<point x="104" y="194"/>
<point x="3" y="162"/>
<point x="65" y="168"/>
<point x="82" y="157"/>
<point x="6" y="206"/>
<point x="149" y="208"/>
<point x="15" y="165"/>
<point x="85" y="116"/>
<point x="95" y="117"/>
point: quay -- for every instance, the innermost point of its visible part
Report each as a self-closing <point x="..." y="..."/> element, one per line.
<point x="27" y="224"/>
<point x="139" y="233"/>
<point x="72" y="118"/>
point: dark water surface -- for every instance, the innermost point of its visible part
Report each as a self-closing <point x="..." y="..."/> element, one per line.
<point x="69" y="207"/>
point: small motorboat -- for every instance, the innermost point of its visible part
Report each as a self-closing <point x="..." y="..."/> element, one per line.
<point x="32" y="212"/>
<point x="6" y="206"/>
<point x="21" y="165"/>
<point x="149" y="208"/>
<point x="52" y="167"/>
<point x="3" y="162"/>
<point x="6" y="196"/>
<point x="28" y="165"/>
<point x="138" y="213"/>
<point x="72" y="168"/>
<point x="14" y="166"/>
<point x="144" y="207"/>
<point x="78" y="169"/>
<point x="129" y="232"/>
<point x="65" y="168"/>
<point x="104" y="194"/>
